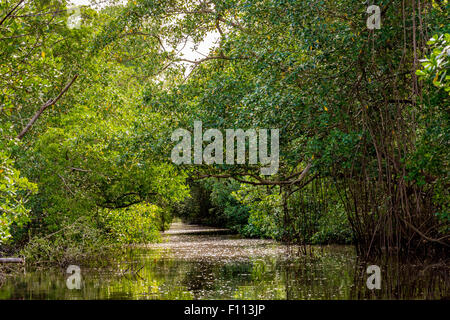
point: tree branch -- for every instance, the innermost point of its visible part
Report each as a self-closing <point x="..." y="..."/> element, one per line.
<point x="10" y="13"/>
<point x="45" y="106"/>
<point x="260" y="181"/>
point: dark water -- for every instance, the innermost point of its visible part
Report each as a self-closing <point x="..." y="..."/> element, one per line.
<point x="198" y="264"/>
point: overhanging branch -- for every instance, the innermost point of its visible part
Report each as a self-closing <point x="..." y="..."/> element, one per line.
<point x="45" y="106"/>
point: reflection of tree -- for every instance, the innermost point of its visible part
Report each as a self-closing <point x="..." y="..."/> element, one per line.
<point x="199" y="279"/>
<point x="403" y="280"/>
<point x="331" y="273"/>
<point x="324" y="274"/>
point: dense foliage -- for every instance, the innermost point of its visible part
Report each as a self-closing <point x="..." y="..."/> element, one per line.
<point x="87" y="113"/>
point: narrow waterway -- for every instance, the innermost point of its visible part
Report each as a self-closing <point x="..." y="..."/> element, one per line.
<point x="194" y="262"/>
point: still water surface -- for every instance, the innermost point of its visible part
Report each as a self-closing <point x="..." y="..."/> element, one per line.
<point x="195" y="262"/>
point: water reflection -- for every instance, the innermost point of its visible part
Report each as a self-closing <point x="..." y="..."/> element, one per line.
<point x="205" y="266"/>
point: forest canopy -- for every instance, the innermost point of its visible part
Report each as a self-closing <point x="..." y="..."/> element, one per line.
<point x="87" y="114"/>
